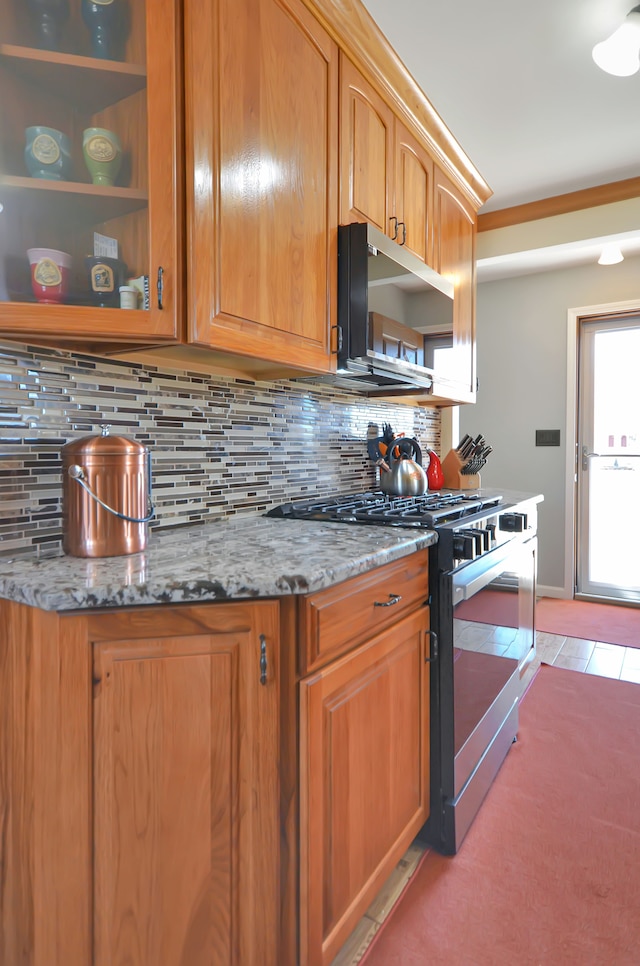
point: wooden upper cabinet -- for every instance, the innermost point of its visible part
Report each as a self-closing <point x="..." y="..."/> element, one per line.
<point x="386" y="175"/>
<point x="366" y="151"/>
<point x="454" y="256"/>
<point x="68" y="107"/>
<point x="262" y="127"/>
<point x="414" y="193"/>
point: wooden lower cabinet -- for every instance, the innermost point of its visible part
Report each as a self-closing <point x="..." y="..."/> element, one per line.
<point x="140" y="786"/>
<point x="364" y="778"/>
<point x="173" y="794"/>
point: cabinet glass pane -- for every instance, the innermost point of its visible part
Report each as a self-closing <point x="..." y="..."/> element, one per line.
<point x="73" y="152"/>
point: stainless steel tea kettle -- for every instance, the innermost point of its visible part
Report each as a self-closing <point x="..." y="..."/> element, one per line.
<point x="402" y="475"/>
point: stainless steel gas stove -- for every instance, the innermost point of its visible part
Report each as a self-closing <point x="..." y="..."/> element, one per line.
<point x="482" y="575"/>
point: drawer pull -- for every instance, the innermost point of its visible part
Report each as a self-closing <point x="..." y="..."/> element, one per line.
<point x="263" y="659"/>
<point x="393" y="599"/>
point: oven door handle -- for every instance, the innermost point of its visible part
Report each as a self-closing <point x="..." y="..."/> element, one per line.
<point x="465" y="589"/>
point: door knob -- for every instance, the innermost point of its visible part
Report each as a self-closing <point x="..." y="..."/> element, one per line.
<point x="585" y="457"/>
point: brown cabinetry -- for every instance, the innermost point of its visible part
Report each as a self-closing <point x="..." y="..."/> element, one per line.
<point x="388" y="178"/>
<point x="364" y="744"/>
<point x="367" y="160"/>
<point x="385" y="173"/>
<point x="140" y="786"/>
<point x="89" y="145"/>
<point x="262" y="127"/>
<point x="297" y="117"/>
<point x="165" y="770"/>
<point x="414" y="193"/>
<point x="454" y="256"/>
<point x="364" y="778"/>
<point x="334" y="620"/>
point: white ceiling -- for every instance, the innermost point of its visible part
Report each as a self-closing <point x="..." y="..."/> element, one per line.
<point x="515" y="83"/>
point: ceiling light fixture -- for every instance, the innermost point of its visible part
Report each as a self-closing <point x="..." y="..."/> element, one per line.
<point x="610" y="255"/>
<point x="619" y="54"/>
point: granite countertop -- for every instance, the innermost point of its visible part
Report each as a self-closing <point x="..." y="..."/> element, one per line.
<point x="235" y="557"/>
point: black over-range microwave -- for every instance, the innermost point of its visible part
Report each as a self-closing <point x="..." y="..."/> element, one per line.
<point x="390" y="305"/>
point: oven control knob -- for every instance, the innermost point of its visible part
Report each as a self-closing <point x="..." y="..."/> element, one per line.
<point x="464" y="546"/>
<point x="487" y="535"/>
<point x="513" y="522"/>
<point x="479" y="539"/>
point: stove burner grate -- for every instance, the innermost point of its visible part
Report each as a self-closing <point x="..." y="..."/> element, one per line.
<point x="428" y="510"/>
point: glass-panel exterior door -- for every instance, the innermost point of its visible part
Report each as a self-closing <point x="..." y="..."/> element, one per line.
<point x="608" y="532"/>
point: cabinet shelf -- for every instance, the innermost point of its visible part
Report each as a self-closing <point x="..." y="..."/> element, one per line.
<point x="87" y="83"/>
<point x="82" y="203"/>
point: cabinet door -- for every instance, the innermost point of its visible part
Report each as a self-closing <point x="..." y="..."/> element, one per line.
<point x="262" y="115"/>
<point x="89" y="147"/>
<point x="366" y="152"/>
<point x="186" y="821"/>
<point x="414" y="193"/>
<point x="364" y="779"/>
<point x="454" y="360"/>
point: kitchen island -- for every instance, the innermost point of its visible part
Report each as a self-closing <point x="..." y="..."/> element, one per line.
<point x="192" y="737"/>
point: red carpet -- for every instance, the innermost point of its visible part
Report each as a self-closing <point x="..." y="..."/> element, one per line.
<point x="610" y="623"/>
<point x="549" y="873"/>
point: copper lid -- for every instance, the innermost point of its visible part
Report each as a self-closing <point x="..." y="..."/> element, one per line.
<point x="103" y="445"/>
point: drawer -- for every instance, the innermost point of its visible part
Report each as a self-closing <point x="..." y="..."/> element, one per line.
<point x="340" y="617"/>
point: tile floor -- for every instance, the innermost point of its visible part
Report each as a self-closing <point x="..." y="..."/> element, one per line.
<point x="591" y="657"/>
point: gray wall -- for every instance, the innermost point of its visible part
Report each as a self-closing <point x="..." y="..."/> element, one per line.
<point x="522" y="371"/>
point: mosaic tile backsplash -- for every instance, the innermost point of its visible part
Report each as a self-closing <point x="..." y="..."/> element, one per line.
<point x="219" y="445"/>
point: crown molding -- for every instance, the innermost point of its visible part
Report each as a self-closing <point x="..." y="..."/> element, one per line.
<point x="358" y="35"/>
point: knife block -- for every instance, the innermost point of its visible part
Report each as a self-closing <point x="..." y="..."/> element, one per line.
<point x="454" y="478"/>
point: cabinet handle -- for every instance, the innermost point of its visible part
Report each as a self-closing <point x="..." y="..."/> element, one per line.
<point x="395" y="228"/>
<point x="434" y="648"/>
<point x="393" y="599"/>
<point x="263" y="659"/>
<point x="160" y="286"/>
<point x="402" y="225"/>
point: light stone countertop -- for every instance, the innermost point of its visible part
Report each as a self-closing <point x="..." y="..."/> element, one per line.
<point x="237" y="557"/>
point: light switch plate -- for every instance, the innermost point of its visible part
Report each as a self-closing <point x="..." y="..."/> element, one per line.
<point x="547" y="437"/>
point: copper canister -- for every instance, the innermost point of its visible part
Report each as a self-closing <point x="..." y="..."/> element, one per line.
<point x="106" y="495"/>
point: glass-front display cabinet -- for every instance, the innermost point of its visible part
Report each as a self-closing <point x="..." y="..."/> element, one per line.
<point x="89" y="170"/>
